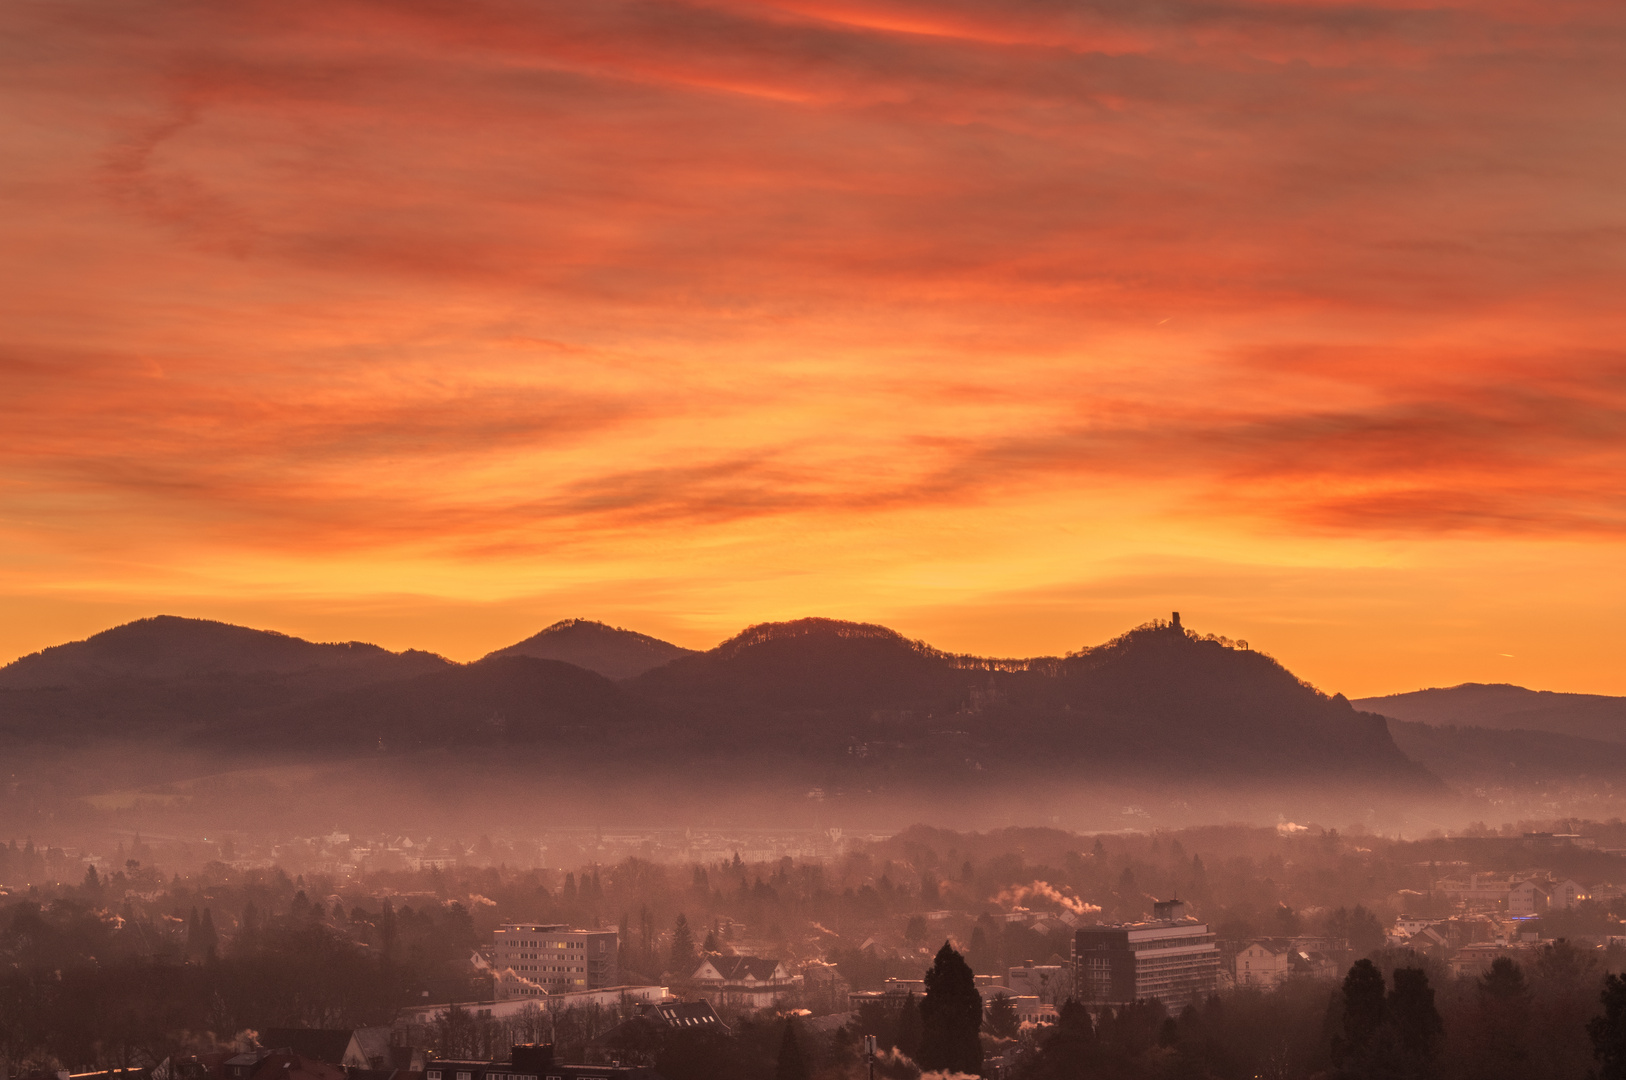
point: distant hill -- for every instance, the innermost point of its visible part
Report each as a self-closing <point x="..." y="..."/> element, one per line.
<point x="812" y="664"/>
<point x="819" y="702"/>
<point x="1158" y="700"/>
<point x="1505" y="707"/>
<point x="1488" y="756"/>
<point x="608" y="650"/>
<point x="168" y="676"/>
<point x="168" y="647"/>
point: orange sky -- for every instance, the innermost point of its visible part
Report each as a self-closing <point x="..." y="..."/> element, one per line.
<point x="1009" y="323"/>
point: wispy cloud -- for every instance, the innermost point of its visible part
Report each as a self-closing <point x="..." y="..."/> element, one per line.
<point x="490" y="279"/>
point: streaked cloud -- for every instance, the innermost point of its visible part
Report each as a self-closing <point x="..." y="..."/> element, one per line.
<point x="485" y="292"/>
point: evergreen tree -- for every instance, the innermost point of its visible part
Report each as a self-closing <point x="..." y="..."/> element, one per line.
<point x="909" y="1026"/>
<point x="1608" y="1031"/>
<point x="386" y="929"/>
<point x="951" y="1016"/>
<point x="1365" y="1009"/>
<point x="194" y="935"/>
<point x="1498" y="1048"/>
<point x="683" y="958"/>
<point x="791" y="1066"/>
<point x="206" y="930"/>
<point x="1065" y="1053"/>
<point x="1002" y="1019"/>
<point x="1416" y="1019"/>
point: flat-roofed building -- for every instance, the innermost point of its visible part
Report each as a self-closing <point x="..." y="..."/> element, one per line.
<point x="1039" y="980"/>
<point x="1173" y="959"/>
<point x="533" y="960"/>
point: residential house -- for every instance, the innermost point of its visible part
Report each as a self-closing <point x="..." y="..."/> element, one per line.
<point x="1563" y="895"/>
<point x="751" y="982"/>
<point x="1264" y="962"/>
<point x="1527" y="899"/>
<point x="352" y="1048"/>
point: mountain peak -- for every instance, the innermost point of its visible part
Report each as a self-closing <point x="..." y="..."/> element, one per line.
<point x="810" y="627"/>
<point x="170" y="646"/>
<point x="609" y="650"/>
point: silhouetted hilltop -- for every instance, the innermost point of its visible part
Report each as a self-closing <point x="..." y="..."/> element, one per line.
<point x="608" y="650"/>
<point x="1161" y="692"/>
<point x="173" y="677"/>
<point x="809" y="664"/>
<point x="1507" y="707"/>
<point x="1156" y="700"/>
<point x="168" y="647"/>
<point x="838" y="704"/>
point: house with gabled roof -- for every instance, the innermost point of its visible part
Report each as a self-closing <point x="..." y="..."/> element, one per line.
<point x="752" y="982"/>
<point x="1264" y="962"/>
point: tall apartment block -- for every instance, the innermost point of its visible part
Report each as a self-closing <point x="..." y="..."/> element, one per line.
<point x="1171" y="958"/>
<point x="530" y="961"/>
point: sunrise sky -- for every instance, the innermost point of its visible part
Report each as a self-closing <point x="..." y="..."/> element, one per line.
<point x="1008" y="323"/>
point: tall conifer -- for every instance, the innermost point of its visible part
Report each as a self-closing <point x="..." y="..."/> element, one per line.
<point x="951" y="1016"/>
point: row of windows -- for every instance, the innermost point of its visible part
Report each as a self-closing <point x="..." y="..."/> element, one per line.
<point x="544" y="967"/>
<point x="1169" y="943"/>
<point x="435" y="1074"/>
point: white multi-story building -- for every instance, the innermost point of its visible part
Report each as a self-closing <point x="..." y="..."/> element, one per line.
<point x="1171" y="958"/>
<point x="529" y="960"/>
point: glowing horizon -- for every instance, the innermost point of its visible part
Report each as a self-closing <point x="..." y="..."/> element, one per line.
<point x="1009" y="326"/>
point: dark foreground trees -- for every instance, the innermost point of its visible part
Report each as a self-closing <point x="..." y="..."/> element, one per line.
<point x="791" y="1065"/>
<point x="951" y="1016"/>
<point x="1395" y="1034"/>
<point x="1608" y="1032"/>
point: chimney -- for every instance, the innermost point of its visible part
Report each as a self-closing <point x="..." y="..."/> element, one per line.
<point x="1176" y="621"/>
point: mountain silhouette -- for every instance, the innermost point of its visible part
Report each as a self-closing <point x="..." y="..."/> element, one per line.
<point x="846" y="704"/>
<point x="1476" y="756"/>
<point x="609" y="650"/>
<point x="810" y="664"/>
<point x="183" y="678"/>
<point x="1159" y="699"/>
<point x="1507" y="707"/>
<point x="169" y="647"/>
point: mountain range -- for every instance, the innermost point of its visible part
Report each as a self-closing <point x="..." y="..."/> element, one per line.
<point x="1508" y="708"/>
<point x="839" y="702"/>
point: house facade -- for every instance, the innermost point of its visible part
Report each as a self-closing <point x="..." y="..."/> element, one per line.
<point x="750" y="982"/>
<point x="1264" y="963"/>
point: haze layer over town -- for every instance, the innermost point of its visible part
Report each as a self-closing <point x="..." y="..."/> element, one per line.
<point x="812" y="540"/>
